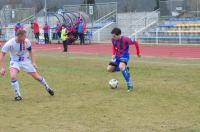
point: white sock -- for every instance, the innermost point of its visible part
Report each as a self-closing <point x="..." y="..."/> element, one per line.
<point x="15" y="86"/>
<point x="44" y="83"/>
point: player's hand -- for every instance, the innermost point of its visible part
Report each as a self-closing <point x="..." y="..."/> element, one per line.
<point x="3" y="72"/>
<point x="132" y="39"/>
<point x="35" y="65"/>
<point x="113" y="56"/>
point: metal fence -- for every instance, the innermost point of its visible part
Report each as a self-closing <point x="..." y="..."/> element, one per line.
<point x="9" y="15"/>
<point x="140" y="25"/>
<point x="179" y="39"/>
<point x="179" y="8"/>
<point x="179" y="24"/>
<point x="22" y="13"/>
<point x="97" y="11"/>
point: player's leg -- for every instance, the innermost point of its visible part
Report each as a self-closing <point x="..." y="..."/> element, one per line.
<point x="30" y="69"/>
<point x="83" y="38"/>
<point x="42" y="80"/>
<point x="113" y="65"/>
<point x="67" y="43"/>
<point x="45" y="38"/>
<point x="79" y="35"/>
<point x="126" y="74"/>
<point x="110" y="68"/>
<point x="65" y="46"/>
<point x="38" y="37"/>
<point x="15" y="84"/>
<point x="48" y="38"/>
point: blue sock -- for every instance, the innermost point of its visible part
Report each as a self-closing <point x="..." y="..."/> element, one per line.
<point x="127" y="77"/>
<point x="116" y="69"/>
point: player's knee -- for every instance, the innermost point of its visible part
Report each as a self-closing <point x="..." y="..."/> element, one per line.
<point x="109" y="69"/>
<point x="122" y="67"/>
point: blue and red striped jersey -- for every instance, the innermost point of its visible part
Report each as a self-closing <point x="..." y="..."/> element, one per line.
<point x="121" y="46"/>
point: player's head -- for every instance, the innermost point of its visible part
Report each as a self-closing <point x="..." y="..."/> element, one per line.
<point x="63" y="26"/>
<point x="21" y="35"/>
<point x="116" y="32"/>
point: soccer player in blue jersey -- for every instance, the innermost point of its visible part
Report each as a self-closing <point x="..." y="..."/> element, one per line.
<point x="121" y="55"/>
<point x="21" y="57"/>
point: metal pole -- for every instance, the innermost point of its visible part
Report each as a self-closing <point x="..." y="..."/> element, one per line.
<point x="116" y="12"/>
<point x="180" y="37"/>
<point x="45" y="10"/>
<point x="157" y="36"/>
<point x="171" y="6"/>
<point x="197" y="8"/>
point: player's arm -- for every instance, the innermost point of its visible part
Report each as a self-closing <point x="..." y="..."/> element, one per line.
<point x="113" y="49"/>
<point x="2" y="63"/>
<point x="31" y="54"/>
<point x="137" y="46"/>
<point x="32" y="57"/>
<point x="5" y="49"/>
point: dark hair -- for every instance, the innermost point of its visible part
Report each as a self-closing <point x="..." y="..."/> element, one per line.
<point x="63" y="25"/>
<point x="116" y="31"/>
<point x="21" y="32"/>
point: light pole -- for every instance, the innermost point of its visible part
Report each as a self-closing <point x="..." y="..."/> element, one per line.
<point x="197" y="8"/>
<point x="86" y="6"/>
<point x="45" y="10"/>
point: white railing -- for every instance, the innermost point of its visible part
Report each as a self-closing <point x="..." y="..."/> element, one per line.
<point x="102" y="33"/>
<point x="108" y="16"/>
<point x="144" y="23"/>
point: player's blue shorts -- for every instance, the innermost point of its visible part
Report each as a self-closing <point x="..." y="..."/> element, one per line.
<point x="117" y="60"/>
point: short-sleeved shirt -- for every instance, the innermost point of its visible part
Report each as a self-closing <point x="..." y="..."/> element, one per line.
<point x="18" y="51"/>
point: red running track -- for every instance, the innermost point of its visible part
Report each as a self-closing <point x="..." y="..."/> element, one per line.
<point x="105" y="49"/>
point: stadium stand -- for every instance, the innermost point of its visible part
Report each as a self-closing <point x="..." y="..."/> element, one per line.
<point x="173" y="30"/>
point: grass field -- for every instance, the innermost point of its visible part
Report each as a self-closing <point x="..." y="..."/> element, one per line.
<point x="166" y="97"/>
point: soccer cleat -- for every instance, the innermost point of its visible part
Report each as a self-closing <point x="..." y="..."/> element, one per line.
<point x="51" y="92"/>
<point x="18" y="98"/>
<point x="128" y="70"/>
<point x="130" y="88"/>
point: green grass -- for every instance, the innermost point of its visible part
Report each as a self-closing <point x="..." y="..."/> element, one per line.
<point x="166" y="97"/>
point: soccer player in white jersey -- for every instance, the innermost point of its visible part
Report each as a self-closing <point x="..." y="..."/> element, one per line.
<point x="21" y="57"/>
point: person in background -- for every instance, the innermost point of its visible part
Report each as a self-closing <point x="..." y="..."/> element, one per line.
<point x="77" y="20"/>
<point x="46" y="33"/>
<point x="58" y="31"/>
<point x="64" y="38"/>
<point x="55" y="37"/>
<point x="18" y="27"/>
<point x="81" y="30"/>
<point x="36" y="30"/>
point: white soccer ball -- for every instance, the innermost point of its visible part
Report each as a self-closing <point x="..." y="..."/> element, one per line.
<point x="113" y="83"/>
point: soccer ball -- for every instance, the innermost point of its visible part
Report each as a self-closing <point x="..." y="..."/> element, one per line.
<point x="113" y="84"/>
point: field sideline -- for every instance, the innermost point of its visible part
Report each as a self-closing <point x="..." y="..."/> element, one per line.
<point x="171" y="51"/>
<point x="166" y="96"/>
